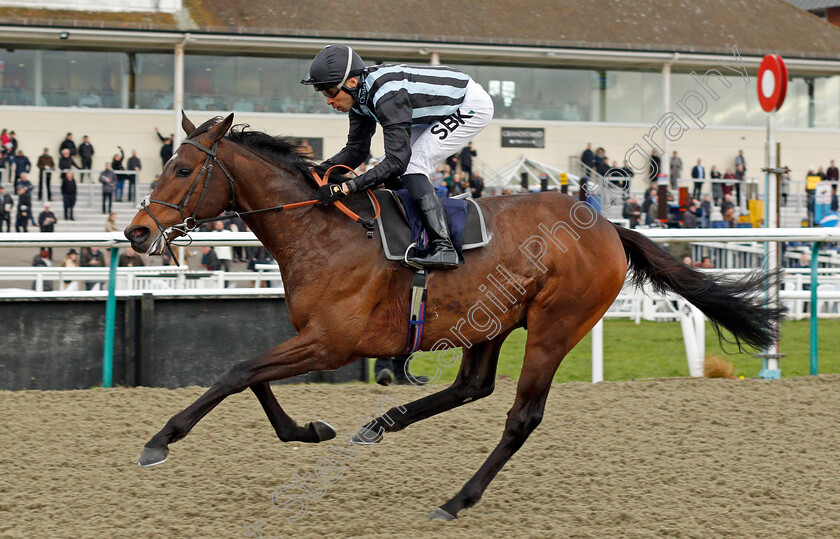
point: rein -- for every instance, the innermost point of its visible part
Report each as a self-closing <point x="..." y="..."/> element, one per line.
<point x="190" y="223"/>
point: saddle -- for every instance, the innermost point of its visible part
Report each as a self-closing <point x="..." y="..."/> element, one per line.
<point x="401" y="226"/>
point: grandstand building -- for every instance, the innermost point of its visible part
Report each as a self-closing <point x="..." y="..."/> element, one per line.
<point x="616" y="73"/>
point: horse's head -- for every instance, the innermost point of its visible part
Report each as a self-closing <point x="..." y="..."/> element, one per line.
<point x="192" y="186"/>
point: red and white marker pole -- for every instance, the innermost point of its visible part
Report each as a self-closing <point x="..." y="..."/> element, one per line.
<point x="772" y="88"/>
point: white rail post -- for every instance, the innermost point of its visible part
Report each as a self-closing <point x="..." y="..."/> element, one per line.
<point x="598" y="352"/>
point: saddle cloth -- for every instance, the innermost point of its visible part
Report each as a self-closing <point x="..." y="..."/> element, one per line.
<point x="400" y="223"/>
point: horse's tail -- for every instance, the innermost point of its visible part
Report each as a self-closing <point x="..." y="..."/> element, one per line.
<point x="737" y="305"/>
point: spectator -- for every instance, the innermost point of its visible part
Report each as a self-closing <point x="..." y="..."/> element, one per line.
<point x="687" y="261"/>
<point x="467" y="154"/>
<point x="676" y="169"/>
<point x="6" y="141"/>
<point x="209" y="259"/>
<point x="69" y="145"/>
<point x="24" y="210"/>
<point x="740" y="174"/>
<point x="452" y="161"/>
<point x="717" y="187"/>
<point x="117" y="166"/>
<point x="602" y="164"/>
<point x="130" y="258"/>
<point x="259" y="255"/>
<point x="632" y="211"/>
<point x="698" y="172"/>
<point x="66" y="162"/>
<point x="476" y="185"/>
<point x="811" y="182"/>
<point x="71" y="260"/>
<point x="785" y="185"/>
<point x="68" y="194"/>
<point x="46" y="221"/>
<point x="13" y="141"/>
<point x="108" y="179"/>
<point x="24" y="182"/>
<point x="727" y="188"/>
<point x="706" y="211"/>
<point x="706" y="263"/>
<point x="655" y="165"/>
<point x="166" y="149"/>
<point x="649" y="194"/>
<point x="135" y="165"/>
<point x="45" y="161"/>
<point x="727" y="209"/>
<point x="111" y="223"/>
<point x="86" y="157"/>
<point x="653" y="210"/>
<point x="223" y="253"/>
<point x="588" y="157"/>
<point x="6" y="205"/>
<point x="458" y="184"/>
<point x="93" y="258"/>
<point x="626" y="175"/>
<point x="154" y="183"/>
<point x="690" y="216"/>
<point x="832" y="174"/>
<point x="22" y="165"/>
<point x="42" y="259"/>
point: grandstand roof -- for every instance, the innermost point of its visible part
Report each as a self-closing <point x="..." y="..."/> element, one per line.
<point x="757" y="27"/>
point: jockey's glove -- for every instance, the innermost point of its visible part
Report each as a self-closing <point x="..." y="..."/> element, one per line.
<point x="327" y="194"/>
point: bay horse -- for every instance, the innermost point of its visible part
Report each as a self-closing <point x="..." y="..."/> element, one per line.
<point x="556" y="267"/>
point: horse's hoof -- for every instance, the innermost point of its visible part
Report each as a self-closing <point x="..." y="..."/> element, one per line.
<point x="367" y="436"/>
<point x="324" y="430"/>
<point x="440" y="514"/>
<point x="152" y="456"/>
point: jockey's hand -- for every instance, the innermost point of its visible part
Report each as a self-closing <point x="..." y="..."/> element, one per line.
<point x="327" y="194"/>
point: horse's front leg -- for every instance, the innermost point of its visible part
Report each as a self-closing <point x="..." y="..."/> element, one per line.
<point x="299" y="355"/>
<point x="287" y="428"/>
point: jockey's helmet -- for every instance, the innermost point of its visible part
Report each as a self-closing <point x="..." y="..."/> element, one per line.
<point x="333" y="66"/>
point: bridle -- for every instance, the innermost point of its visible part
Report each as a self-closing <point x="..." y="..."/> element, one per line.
<point x="192" y="222"/>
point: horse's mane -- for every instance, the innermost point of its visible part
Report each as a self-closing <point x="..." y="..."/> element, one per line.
<point x="281" y="150"/>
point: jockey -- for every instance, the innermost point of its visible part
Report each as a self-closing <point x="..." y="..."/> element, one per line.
<point x="427" y="113"/>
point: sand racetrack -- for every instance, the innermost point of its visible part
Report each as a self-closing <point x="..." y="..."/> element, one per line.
<point x="680" y="458"/>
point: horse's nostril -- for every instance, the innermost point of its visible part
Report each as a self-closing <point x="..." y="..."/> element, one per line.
<point x="137" y="233"/>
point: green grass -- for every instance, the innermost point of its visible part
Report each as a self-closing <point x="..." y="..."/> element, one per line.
<point x="654" y="350"/>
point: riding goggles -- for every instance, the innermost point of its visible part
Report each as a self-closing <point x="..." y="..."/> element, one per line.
<point x="332" y="93"/>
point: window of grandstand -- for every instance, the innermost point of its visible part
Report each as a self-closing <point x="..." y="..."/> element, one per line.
<point x="68" y="78"/>
<point x="154" y="81"/>
<point x="249" y="84"/>
<point x="533" y="93"/>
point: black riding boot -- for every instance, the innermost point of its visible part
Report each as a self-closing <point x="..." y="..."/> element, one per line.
<point x="442" y="254"/>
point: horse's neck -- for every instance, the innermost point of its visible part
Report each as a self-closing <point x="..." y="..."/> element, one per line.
<point x="288" y="234"/>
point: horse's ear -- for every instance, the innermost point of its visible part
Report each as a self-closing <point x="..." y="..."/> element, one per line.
<point x="220" y="129"/>
<point x="186" y="124"/>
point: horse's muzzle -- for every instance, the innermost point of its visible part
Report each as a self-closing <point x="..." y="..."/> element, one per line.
<point x="138" y="235"/>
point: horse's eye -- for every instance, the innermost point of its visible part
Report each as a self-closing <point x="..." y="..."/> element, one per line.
<point x="184" y="171"/>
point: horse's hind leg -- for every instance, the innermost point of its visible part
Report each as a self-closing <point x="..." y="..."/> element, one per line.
<point x="287" y="428"/>
<point x="543" y="354"/>
<point x="476" y="379"/>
